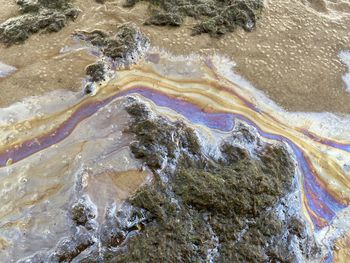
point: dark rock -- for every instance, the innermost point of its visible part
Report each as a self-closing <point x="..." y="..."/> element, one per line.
<point x="158" y="140"/>
<point x="82" y="212"/>
<point x="89" y="88"/>
<point x="42" y="15"/>
<point x="69" y="248"/>
<point x="160" y="18"/>
<point x="215" y="17"/>
<point x="125" y="47"/>
<point x="95" y="37"/>
<point x="27" y="6"/>
<point x="206" y="205"/>
<point x="96" y="71"/>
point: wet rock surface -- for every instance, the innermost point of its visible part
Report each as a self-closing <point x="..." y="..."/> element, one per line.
<point x="96" y="71"/>
<point x="83" y="212"/>
<point x="160" y="142"/>
<point x="124" y="47"/>
<point x="201" y="209"/>
<point x="215" y="17"/>
<point x="36" y="16"/>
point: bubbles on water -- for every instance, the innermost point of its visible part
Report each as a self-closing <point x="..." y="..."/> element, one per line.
<point x="65" y="159"/>
<point x="23" y="180"/>
<point x="84" y="180"/>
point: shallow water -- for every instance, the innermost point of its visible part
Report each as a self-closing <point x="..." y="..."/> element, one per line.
<point x="63" y="145"/>
<point x="65" y="149"/>
<point x="39" y="187"/>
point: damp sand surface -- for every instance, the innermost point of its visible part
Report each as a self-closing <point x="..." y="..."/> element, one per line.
<point x="63" y="150"/>
<point x="292" y="54"/>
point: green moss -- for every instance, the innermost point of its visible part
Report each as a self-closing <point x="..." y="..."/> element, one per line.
<point x="234" y="194"/>
<point x="173" y="234"/>
<point x="158" y="140"/>
<point x="215" y="17"/>
<point x="69" y="248"/>
<point x="82" y="213"/>
<point x="207" y="205"/>
<point x="126" y="45"/>
<point x="160" y="18"/>
<point x="194" y="202"/>
<point x="96" y="71"/>
<point x="42" y="15"/>
<point x="196" y="209"/>
<point x="232" y="153"/>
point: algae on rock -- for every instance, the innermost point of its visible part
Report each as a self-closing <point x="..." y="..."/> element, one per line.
<point x="198" y="208"/>
<point x="215" y="17"/>
<point x="96" y="71"/>
<point x="158" y="140"/>
<point x="40" y="15"/>
<point x="206" y="209"/>
<point x="124" y="47"/>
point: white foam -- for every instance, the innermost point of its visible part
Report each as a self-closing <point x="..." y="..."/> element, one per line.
<point x="6" y="70"/>
<point x="325" y="124"/>
<point x="322" y="123"/>
<point x="344" y="56"/>
<point x="33" y="106"/>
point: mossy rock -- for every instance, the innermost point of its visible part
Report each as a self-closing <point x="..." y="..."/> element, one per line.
<point x="125" y="46"/>
<point x="158" y="140"/>
<point x="187" y="210"/>
<point x="160" y="18"/>
<point x="82" y="213"/>
<point x="96" y="71"/>
<point x="37" y="16"/>
<point x="207" y="209"/>
<point x="215" y="17"/>
<point x="196" y="208"/>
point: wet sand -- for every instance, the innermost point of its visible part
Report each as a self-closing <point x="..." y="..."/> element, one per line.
<point x="292" y="55"/>
<point x="82" y="148"/>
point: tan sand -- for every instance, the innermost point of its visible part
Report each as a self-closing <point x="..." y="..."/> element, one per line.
<point x="292" y="55"/>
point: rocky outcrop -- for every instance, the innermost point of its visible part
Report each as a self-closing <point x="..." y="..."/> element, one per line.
<point x="121" y="49"/>
<point x="201" y="208"/>
<point x="37" y="16"/>
<point x="124" y="47"/>
<point x="96" y="71"/>
<point x="215" y="17"/>
<point x="198" y="208"/>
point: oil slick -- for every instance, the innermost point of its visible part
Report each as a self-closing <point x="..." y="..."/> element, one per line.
<point x="50" y="158"/>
